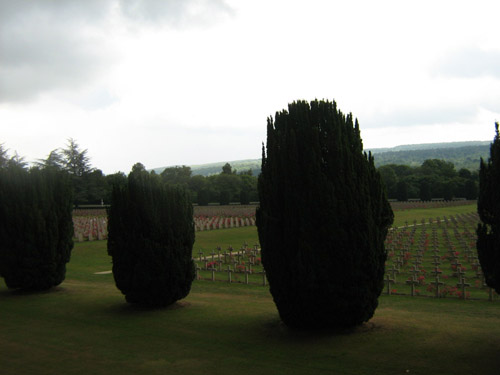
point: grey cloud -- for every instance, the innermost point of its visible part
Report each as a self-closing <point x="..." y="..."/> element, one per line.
<point x="178" y="13"/>
<point x="15" y="11"/>
<point x="43" y="47"/>
<point x="469" y="63"/>
<point x="46" y="45"/>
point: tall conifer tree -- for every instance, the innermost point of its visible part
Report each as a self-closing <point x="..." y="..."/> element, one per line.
<point x="323" y="218"/>
<point x="151" y="236"/>
<point x="488" y="206"/>
<point x="36" y="235"/>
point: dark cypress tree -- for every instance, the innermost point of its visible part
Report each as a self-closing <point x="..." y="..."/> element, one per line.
<point x="323" y="218"/>
<point x="224" y="198"/>
<point x="470" y="188"/>
<point x="402" y="191"/>
<point x="203" y="197"/>
<point x="425" y="192"/>
<point x="151" y="236"/>
<point x="244" y="197"/>
<point x="488" y="206"/>
<point x="36" y="235"/>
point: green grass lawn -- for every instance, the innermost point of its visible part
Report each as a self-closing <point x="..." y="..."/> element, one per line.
<point x="207" y="241"/>
<point x="400" y="217"/>
<point x="84" y="326"/>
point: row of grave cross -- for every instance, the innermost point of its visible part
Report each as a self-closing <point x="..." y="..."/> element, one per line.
<point x="437" y="283"/>
<point x="230" y="256"/>
<point x="398" y="238"/>
<point x="229" y="275"/>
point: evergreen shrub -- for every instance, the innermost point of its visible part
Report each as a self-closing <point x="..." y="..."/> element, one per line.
<point x="323" y="218"/>
<point x="151" y="236"/>
<point x="36" y="231"/>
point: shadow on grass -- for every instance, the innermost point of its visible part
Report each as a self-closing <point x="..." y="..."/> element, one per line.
<point x="134" y="309"/>
<point x="277" y="329"/>
<point x="13" y="293"/>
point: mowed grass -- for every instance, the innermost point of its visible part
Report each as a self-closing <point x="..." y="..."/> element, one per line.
<point x="401" y="216"/>
<point x="85" y="326"/>
<point x="208" y="241"/>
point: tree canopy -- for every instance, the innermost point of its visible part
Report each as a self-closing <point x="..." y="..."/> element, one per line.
<point x="75" y="160"/>
<point x="433" y="179"/>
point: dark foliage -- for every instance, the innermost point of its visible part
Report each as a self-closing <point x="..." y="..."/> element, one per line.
<point x="402" y="191"/>
<point x="151" y="236"/>
<point x="488" y="205"/>
<point x="203" y="197"/>
<point x="224" y="198"/>
<point x="244" y="197"/>
<point x="323" y="218"/>
<point x="434" y="179"/>
<point x="36" y="234"/>
<point x="425" y="190"/>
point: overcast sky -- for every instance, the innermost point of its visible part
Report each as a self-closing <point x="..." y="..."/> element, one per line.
<point x="167" y="82"/>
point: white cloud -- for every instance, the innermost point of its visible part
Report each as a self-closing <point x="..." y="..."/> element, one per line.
<point x="52" y="45"/>
<point x="470" y="62"/>
<point x="181" y="82"/>
<point x="185" y="13"/>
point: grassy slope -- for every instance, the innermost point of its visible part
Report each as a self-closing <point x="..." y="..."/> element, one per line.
<point x="85" y="326"/>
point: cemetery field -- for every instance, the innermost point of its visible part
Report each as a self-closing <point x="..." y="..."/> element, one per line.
<point x="209" y="240"/>
<point x="91" y="224"/>
<point x="84" y="326"/>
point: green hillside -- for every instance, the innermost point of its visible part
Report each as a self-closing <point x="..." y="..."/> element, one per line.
<point x="430" y="146"/>
<point x="462" y="157"/>
<point x="461" y="154"/>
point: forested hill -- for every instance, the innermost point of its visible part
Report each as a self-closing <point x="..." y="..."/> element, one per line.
<point x="430" y="146"/>
<point x="462" y="157"/>
<point x="461" y="154"/>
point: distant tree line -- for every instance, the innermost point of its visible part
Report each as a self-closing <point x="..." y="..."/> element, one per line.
<point x="226" y="187"/>
<point x="215" y="168"/>
<point x="433" y="179"/>
<point x="91" y="186"/>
